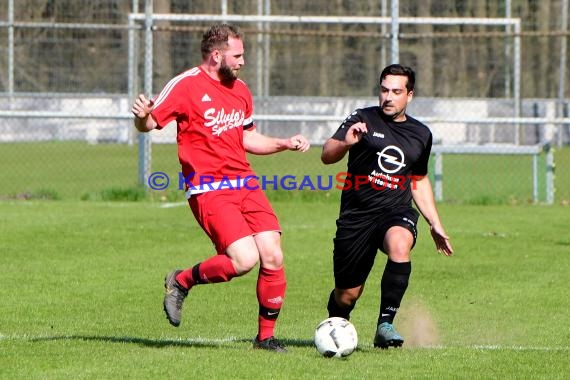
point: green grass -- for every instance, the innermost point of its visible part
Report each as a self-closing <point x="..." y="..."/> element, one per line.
<point x="81" y="284"/>
<point x="81" y="292"/>
<point x="74" y="170"/>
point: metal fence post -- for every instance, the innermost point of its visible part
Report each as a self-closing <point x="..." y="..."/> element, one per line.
<point x="549" y="174"/>
<point x="535" y="178"/>
<point x="395" y="32"/>
<point x="11" y="49"/>
<point x="145" y="138"/>
<point x="438" y="176"/>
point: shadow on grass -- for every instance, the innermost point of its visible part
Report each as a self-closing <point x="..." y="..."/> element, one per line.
<point x="161" y="343"/>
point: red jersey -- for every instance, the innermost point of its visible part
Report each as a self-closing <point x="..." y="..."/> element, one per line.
<point x="211" y="118"/>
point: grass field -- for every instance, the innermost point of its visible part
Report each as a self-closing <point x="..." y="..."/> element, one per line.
<point x="81" y="292"/>
<point x="82" y="281"/>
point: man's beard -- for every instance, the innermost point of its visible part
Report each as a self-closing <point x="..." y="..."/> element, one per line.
<point x="226" y="73"/>
<point x="393" y="113"/>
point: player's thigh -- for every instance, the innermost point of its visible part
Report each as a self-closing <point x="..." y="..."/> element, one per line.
<point x="355" y="248"/>
<point x="219" y="213"/>
<point x="257" y="211"/>
<point x="398" y="230"/>
<point x="244" y="254"/>
<point x="398" y="243"/>
<point x="269" y="246"/>
<point x="264" y="225"/>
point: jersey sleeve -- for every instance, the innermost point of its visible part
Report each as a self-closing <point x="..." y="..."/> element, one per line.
<point x="421" y="166"/>
<point x="353" y="118"/>
<point x="248" y="123"/>
<point x="168" y="105"/>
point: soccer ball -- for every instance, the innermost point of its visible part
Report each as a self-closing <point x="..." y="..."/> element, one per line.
<point x="335" y="337"/>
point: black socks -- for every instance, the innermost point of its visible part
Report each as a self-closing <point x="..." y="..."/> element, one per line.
<point x="392" y="287"/>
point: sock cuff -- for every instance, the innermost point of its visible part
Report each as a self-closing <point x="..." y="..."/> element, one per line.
<point x="399" y="268"/>
<point x="196" y="274"/>
<point x="273" y="275"/>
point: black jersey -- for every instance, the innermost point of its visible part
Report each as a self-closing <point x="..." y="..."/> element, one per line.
<point x="384" y="164"/>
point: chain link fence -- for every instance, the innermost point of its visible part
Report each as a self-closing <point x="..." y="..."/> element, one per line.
<point x="498" y="109"/>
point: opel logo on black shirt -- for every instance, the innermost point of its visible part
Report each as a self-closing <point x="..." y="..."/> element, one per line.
<point x="391" y="159"/>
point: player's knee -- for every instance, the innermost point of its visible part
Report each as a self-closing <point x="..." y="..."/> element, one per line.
<point x="347" y="298"/>
<point x="398" y="256"/>
<point x="272" y="259"/>
<point x="398" y="244"/>
<point x="270" y="252"/>
<point x="245" y="263"/>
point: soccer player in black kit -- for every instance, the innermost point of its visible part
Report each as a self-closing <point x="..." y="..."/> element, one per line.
<point x="388" y="153"/>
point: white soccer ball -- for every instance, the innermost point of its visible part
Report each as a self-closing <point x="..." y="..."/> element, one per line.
<point x="335" y="337"/>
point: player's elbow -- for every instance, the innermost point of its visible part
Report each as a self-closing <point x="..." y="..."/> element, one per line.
<point x="325" y="155"/>
<point x="145" y="125"/>
<point x="329" y="156"/>
<point x="325" y="159"/>
<point x="333" y="151"/>
<point x="142" y="128"/>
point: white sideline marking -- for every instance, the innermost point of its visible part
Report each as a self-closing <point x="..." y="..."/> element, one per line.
<point x="496" y="348"/>
<point x="200" y="340"/>
<point x="119" y="338"/>
<point x="519" y="348"/>
<point x="173" y="204"/>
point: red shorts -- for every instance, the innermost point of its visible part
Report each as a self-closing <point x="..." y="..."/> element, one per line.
<point x="230" y="214"/>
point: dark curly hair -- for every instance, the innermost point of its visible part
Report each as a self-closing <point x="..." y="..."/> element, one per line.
<point x="217" y="38"/>
<point x="397" y="69"/>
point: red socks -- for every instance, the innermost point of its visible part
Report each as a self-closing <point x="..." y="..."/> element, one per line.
<point x="271" y="285"/>
<point x="217" y="268"/>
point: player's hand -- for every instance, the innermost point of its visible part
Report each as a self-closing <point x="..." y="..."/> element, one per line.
<point x="299" y="142"/>
<point x="355" y="133"/>
<point x="441" y="241"/>
<point x="142" y="107"/>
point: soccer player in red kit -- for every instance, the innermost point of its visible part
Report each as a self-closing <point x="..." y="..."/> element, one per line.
<point x="213" y="111"/>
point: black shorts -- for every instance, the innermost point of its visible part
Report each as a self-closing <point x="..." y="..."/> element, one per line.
<point x="357" y="242"/>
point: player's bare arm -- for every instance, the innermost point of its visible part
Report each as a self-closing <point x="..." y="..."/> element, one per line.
<point x="141" y="109"/>
<point x="334" y="150"/>
<point x="259" y="144"/>
<point x="424" y="200"/>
